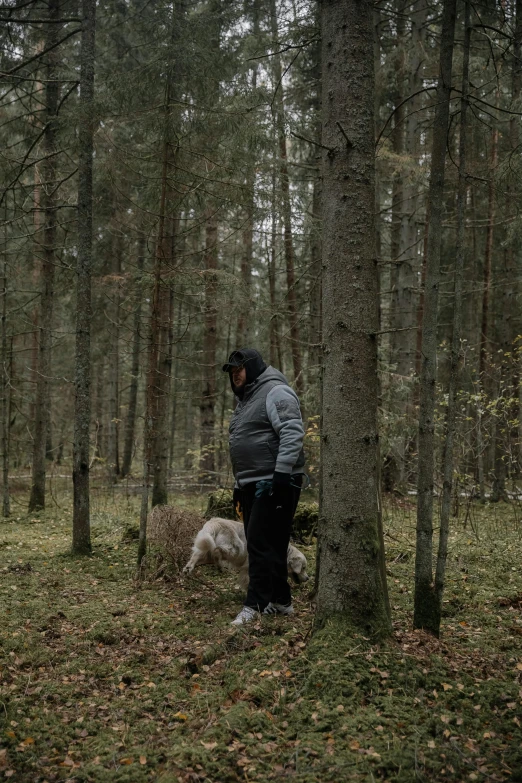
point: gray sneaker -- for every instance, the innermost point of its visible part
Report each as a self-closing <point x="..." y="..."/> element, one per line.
<point x="246" y="615"/>
<point x="272" y="608"/>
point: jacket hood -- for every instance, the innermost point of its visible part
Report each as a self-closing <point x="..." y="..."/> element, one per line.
<point x="253" y="363"/>
<point x="270" y="374"/>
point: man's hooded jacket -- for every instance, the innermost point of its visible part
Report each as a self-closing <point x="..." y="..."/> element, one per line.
<point x="266" y="430"/>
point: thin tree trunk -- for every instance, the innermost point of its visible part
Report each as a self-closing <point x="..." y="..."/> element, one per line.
<point x="275" y="339"/>
<point x="207" y="463"/>
<point x="315" y="295"/>
<point x="488" y="255"/>
<point x="279" y="118"/>
<point x="245" y="306"/>
<point x="156" y="401"/>
<point x="456" y="351"/>
<point x="350" y="586"/>
<point x="113" y="457"/>
<point x="175" y="396"/>
<point x="81" y="543"/>
<point x="4" y="384"/>
<point x="130" y="421"/>
<point x="161" y="446"/>
<point x="48" y="170"/>
<point x="425" y="602"/>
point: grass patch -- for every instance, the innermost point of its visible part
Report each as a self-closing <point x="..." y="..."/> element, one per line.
<point x="104" y="680"/>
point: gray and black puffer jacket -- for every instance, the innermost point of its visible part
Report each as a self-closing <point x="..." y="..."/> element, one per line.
<point x="266" y="430"/>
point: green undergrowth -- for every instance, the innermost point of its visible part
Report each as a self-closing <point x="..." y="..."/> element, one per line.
<point x="104" y="680"/>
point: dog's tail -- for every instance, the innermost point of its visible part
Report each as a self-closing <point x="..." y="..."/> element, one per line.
<point x="203" y="551"/>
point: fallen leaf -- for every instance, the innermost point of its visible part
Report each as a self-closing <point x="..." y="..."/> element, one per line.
<point x="143" y="760"/>
<point x="209" y="745"/>
<point x="180" y="716"/>
<point x="447" y="687"/>
<point x="127" y="761"/>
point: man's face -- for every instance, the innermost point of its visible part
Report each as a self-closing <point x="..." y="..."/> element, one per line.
<point x="238" y="376"/>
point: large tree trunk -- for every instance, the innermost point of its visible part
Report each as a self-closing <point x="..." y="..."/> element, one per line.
<point x="456" y="351"/>
<point x="81" y="543"/>
<point x="350" y="586"/>
<point x="279" y="118"/>
<point x="130" y="420"/>
<point x="49" y="187"/>
<point x="426" y="613"/>
<point x="514" y="135"/>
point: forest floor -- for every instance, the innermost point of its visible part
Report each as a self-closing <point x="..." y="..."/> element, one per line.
<point x="105" y="680"/>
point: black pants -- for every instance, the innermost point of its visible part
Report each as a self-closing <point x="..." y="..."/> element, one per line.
<point x="267" y="531"/>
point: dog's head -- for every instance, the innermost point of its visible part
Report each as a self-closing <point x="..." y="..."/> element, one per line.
<point x="297" y="565"/>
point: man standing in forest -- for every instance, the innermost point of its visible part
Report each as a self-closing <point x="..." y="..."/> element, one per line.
<point x="266" y="449"/>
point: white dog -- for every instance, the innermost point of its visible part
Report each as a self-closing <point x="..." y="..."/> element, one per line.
<point x="222" y="542"/>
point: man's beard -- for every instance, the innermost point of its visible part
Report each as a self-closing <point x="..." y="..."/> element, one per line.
<point x="239" y="390"/>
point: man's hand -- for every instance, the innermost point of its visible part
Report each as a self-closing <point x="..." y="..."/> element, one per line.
<point x="281" y="488"/>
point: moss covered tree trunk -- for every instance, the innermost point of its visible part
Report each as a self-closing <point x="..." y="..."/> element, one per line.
<point x="350" y="584"/>
<point x="426" y="605"/>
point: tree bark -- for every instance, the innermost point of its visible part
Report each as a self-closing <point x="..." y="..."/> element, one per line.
<point x="130" y="420"/>
<point x="207" y="462"/>
<point x="5" y="379"/>
<point x="245" y="319"/>
<point x="49" y="187"/>
<point x="350" y="587"/>
<point x="81" y="543"/>
<point x="155" y="448"/>
<point x="279" y="119"/>
<point x="113" y="456"/>
<point x="425" y="601"/>
<point x="276" y="359"/>
<point x="456" y="348"/>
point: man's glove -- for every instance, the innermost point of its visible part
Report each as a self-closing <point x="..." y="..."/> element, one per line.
<point x="280" y="488"/>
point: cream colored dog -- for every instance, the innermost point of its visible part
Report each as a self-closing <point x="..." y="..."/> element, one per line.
<point x="222" y="542"/>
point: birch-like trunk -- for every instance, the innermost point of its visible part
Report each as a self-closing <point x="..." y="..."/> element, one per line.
<point x="425" y="602"/>
<point x="350" y="586"/>
<point x="81" y="543"/>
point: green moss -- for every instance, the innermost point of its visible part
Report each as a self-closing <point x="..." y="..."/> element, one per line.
<point x="155" y="671"/>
